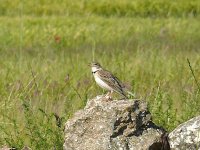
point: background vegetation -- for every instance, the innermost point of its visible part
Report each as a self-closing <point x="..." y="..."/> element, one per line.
<point x="45" y="46"/>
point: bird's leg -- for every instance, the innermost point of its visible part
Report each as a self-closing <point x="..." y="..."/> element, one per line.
<point x="108" y="95"/>
<point x="111" y="93"/>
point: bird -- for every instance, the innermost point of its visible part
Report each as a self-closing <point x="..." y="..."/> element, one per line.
<point x="106" y="80"/>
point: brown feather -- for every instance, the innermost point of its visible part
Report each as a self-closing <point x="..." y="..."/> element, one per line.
<point x="112" y="81"/>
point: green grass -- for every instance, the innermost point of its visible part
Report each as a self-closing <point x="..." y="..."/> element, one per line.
<point x="119" y="8"/>
<point x="45" y="51"/>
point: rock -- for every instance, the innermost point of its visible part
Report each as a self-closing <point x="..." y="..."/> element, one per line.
<point x="186" y="135"/>
<point x="112" y="125"/>
<point x="26" y="148"/>
<point x="5" y="147"/>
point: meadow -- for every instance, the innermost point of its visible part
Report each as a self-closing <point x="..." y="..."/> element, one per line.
<point x="45" y="48"/>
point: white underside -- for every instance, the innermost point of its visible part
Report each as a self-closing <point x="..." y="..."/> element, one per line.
<point x="102" y="83"/>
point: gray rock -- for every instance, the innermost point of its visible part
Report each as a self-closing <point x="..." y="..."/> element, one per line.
<point x="5" y="148"/>
<point x="112" y="125"/>
<point x="186" y="135"/>
<point x="26" y="148"/>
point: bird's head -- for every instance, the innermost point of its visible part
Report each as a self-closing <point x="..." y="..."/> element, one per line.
<point x="95" y="66"/>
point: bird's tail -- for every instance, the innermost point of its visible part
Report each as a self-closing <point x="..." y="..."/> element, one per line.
<point x="128" y="92"/>
<point x="124" y="95"/>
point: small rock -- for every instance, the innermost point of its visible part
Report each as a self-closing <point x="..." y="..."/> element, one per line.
<point x="5" y="147"/>
<point x="186" y="135"/>
<point x="26" y="148"/>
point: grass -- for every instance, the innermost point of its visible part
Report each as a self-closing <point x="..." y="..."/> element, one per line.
<point x="119" y="8"/>
<point x="45" y="52"/>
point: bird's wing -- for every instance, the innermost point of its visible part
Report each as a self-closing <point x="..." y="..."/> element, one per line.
<point x="111" y="80"/>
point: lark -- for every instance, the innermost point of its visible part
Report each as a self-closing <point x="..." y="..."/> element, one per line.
<point x="107" y="80"/>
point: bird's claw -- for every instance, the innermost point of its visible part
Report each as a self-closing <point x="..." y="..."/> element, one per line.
<point x="108" y="96"/>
